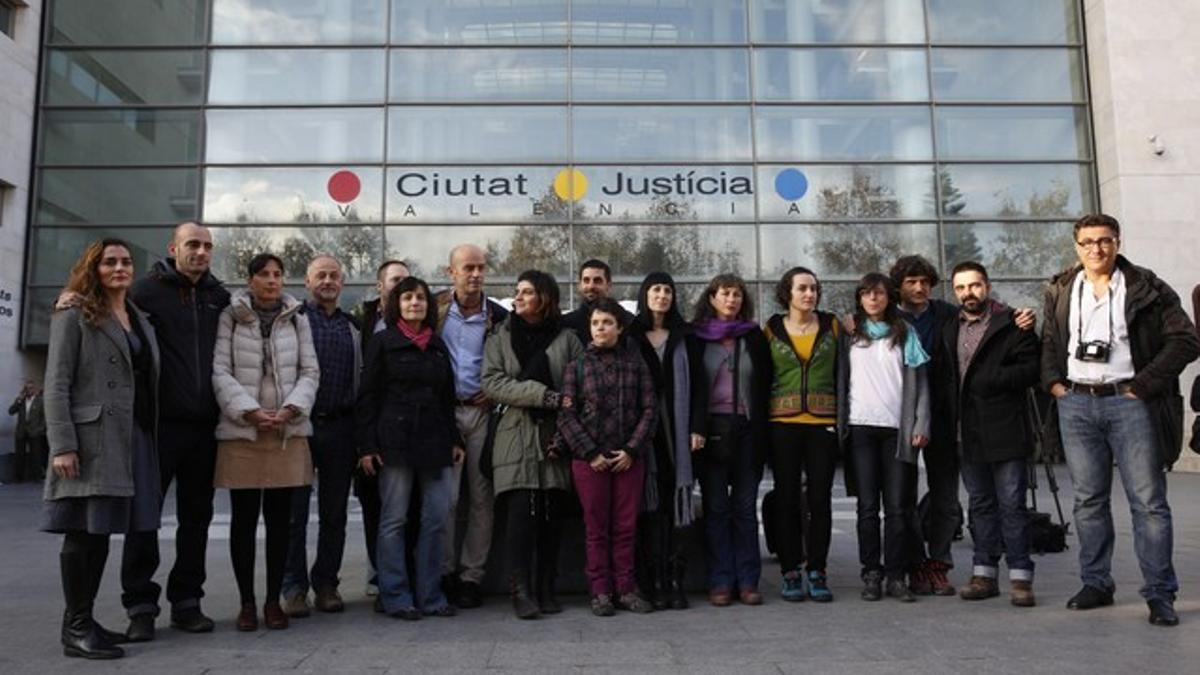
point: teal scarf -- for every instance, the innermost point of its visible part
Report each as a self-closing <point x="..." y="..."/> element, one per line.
<point x="914" y="354"/>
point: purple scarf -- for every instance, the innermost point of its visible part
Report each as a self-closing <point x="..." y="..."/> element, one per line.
<point x="715" y="330"/>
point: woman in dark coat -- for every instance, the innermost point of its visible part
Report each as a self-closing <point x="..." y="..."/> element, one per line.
<point x="408" y="434"/>
<point x="673" y="355"/>
<point x="100" y="393"/>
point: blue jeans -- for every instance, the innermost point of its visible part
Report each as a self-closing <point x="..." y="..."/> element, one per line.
<point x="999" y="521"/>
<point x="334" y="457"/>
<point x="395" y="490"/>
<point x="729" y="493"/>
<point x="1095" y="432"/>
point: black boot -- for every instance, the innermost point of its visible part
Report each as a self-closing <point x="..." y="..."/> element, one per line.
<point x="523" y="604"/>
<point x="659" y="593"/>
<point x="96" y="559"/>
<point x="546" y="600"/>
<point x="675" y="581"/>
<point x="79" y="635"/>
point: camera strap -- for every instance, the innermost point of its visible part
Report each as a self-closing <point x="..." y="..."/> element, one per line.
<point x="1080" y="317"/>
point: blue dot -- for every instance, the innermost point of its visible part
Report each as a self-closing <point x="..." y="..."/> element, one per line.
<point x="791" y="184"/>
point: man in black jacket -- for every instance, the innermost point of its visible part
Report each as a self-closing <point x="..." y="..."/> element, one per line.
<point x="1115" y="341"/>
<point x="595" y="282"/>
<point x="184" y="301"/>
<point x="986" y="365"/>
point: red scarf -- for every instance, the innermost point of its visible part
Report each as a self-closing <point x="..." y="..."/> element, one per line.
<point x="420" y="338"/>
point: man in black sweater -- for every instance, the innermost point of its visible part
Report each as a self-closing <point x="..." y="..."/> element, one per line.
<point x="595" y="282"/>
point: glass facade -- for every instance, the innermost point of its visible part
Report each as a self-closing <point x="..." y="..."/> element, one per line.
<point x="695" y="136"/>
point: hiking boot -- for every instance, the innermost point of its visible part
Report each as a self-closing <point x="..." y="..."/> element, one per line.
<point x="633" y="602"/>
<point x="979" y="588"/>
<point x="329" y="600"/>
<point x="918" y="579"/>
<point x="896" y="588"/>
<point x="818" y="587"/>
<point x="793" y="586"/>
<point x="935" y="574"/>
<point x="1022" y="594"/>
<point x="296" y="605"/>
<point x="720" y="597"/>
<point x="602" y="605"/>
<point x="872" y="585"/>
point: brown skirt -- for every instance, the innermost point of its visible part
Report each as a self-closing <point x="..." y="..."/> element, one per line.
<point x="263" y="463"/>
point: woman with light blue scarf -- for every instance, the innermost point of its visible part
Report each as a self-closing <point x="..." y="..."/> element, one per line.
<point x="883" y="421"/>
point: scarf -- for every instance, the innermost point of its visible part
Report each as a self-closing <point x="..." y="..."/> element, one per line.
<point x="267" y="316"/>
<point x="715" y="330"/>
<point x="529" y="343"/>
<point x="914" y="353"/>
<point x="420" y="338"/>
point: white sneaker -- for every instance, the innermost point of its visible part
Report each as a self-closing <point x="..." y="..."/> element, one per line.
<point x="372" y="590"/>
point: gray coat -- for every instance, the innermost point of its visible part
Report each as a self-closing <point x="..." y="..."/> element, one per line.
<point x="89" y="393"/>
<point x="517" y="459"/>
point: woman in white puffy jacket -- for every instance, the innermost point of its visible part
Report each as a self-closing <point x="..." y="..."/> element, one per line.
<point x="265" y="376"/>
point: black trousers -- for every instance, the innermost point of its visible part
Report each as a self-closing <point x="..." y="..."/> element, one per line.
<point x="276" y="508"/>
<point x="799" y="451"/>
<point x="945" y="511"/>
<point x="30" y="457"/>
<point x="883" y="479"/>
<point x="187" y="454"/>
<point x="533" y="533"/>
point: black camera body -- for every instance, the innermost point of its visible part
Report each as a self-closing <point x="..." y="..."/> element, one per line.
<point x="1096" y="351"/>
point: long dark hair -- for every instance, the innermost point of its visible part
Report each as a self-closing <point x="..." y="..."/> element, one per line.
<point x="391" y="309"/>
<point x="704" y="308"/>
<point x="898" y="328"/>
<point x="644" y="320"/>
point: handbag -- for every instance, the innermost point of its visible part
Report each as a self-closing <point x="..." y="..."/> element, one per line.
<point x="720" y="443"/>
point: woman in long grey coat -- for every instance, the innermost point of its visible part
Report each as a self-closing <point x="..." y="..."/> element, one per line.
<point x="100" y="398"/>
<point x="522" y="370"/>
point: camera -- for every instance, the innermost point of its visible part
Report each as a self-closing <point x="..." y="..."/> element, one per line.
<point x="1095" y="351"/>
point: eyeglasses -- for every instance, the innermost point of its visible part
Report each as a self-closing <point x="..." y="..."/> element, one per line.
<point x="1102" y="242"/>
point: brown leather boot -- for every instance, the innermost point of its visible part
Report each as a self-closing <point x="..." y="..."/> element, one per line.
<point x="247" y="618"/>
<point x="1022" y="594"/>
<point x="979" y="588"/>
<point x="273" y="616"/>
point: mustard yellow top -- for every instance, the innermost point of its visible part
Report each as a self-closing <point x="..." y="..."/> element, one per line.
<point x="804" y="347"/>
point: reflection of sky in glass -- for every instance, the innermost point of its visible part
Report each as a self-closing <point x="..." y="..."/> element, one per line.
<point x="1039" y="132"/>
<point x="860" y="192"/>
<point x="295" y="135"/>
<point x="669" y="22"/>
<point x="479" y="22"/>
<point x="477" y="134"/>
<point x="287" y="196"/>
<point x="659" y="74"/>
<point x="302" y="23"/>
<point x="801" y="21"/>
<point x="634" y="133"/>
<point x="283" y="76"/>
<point x="1007" y="190"/>
<point x="988" y="21"/>
<point x="829" y="74"/>
<point x="825" y="133"/>
<point x="422" y="75"/>
<point x="1007" y="75"/>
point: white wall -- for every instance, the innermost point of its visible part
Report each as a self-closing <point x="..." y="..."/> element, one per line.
<point x="1144" y="60"/>
<point x="18" y="89"/>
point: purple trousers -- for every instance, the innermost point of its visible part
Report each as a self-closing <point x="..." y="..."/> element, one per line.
<point x="611" y="502"/>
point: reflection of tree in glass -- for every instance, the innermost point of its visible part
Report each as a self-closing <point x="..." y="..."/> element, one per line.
<point x="1031" y="248"/>
<point x="845" y="250"/>
<point x="357" y="248"/>
<point x="233" y="247"/>
<point x="959" y="239"/>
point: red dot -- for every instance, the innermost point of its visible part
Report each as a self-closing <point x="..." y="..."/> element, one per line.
<point x="344" y="187"/>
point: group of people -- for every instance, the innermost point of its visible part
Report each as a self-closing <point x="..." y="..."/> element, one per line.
<point x="173" y="377"/>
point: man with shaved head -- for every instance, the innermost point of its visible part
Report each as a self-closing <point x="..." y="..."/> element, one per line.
<point x="336" y="340"/>
<point x="465" y="318"/>
<point x="184" y="301"/>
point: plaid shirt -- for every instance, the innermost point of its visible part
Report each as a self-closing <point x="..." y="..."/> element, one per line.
<point x="334" y="342"/>
<point x="612" y="404"/>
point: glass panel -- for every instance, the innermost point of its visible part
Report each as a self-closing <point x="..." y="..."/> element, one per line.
<point x="303" y="195"/>
<point x="845" y="192"/>
<point x="502" y="134"/>
<point x="672" y="22"/>
<point x="1011" y="249"/>
<point x="1022" y="21"/>
<point x="490" y="194"/>
<point x="840" y="75"/>
<point x="57" y="248"/>
<point x="1013" y="191"/>
<point x="116" y="77"/>
<point x="1020" y="294"/>
<point x="802" y="21"/>
<point x="665" y="193"/>
<point x="127" y="22"/>
<point x="288" y="135"/>
<point x="843" y="251"/>
<point x="832" y="133"/>
<point x="633" y="133"/>
<point x="248" y="22"/>
<point x="1007" y="75"/>
<point x="660" y="75"/>
<point x="120" y="136"/>
<point x="1012" y="133"/>
<point x="275" y="76"/>
<point x="450" y="22"/>
<point x="510" y="250"/>
<point x="358" y="248"/>
<point x="39" y="303"/>
<point x="420" y="75"/>
<point x="685" y="250"/>
<point x="104" y="196"/>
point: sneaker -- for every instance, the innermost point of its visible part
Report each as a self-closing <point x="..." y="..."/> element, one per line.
<point x="918" y="579"/>
<point x="793" y="586"/>
<point x="872" y="585"/>
<point x="296" y="606"/>
<point x="935" y="573"/>
<point x="979" y="588"/>
<point x="1090" y="597"/>
<point x="818" y="587"/>
<point x="896" y="588"/>
<point x="329" y="600"/>
<point x="371" y="590"/>
<point x="633" y="602"/>
<point x="1162" y="612"/>
<point x="602" y="605"/>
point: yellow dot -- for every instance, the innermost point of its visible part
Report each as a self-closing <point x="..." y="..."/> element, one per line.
<point x="570" y="185"/>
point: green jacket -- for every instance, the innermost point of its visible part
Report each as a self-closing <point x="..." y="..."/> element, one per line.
<point x="517" y="459"/>
<point x="804" y="387"/>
